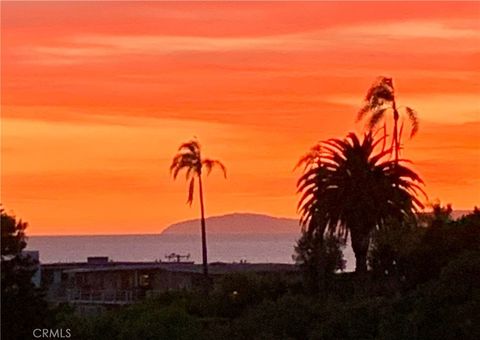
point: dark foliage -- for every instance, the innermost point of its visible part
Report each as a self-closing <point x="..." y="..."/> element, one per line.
<point x="392" y="248"/>
<point x="415" y="254"/>
<point x="443" y="240"/>
<point x="23" y="307"/>
<point x="319" y="258"/>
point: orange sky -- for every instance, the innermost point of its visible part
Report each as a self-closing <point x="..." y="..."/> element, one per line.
<point x="96" y="96"/>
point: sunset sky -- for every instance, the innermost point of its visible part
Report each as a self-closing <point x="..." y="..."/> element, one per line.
<point x="97" y="96"/>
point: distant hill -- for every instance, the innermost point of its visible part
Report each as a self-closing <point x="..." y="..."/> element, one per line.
<point x="248" y="223"/>
<point x="237" y="223"/>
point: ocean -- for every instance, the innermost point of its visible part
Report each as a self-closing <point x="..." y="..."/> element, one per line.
<point x="273" y="248"/>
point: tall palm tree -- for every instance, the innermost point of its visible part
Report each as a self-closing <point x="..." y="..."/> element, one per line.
<point x="379" y="100"/>
<point x="190" y="159"/>
<point x="348" y="187"/>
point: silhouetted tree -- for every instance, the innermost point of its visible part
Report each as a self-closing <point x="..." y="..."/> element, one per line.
<point x="23" y="307"/>
<point x="444" y="239"/>
<point x="189" y="158"/>
<point x="379" y="100"/>
<point x="392" y="248"/>
<point x="349" y="188"/>
<point x="318" y="257"/>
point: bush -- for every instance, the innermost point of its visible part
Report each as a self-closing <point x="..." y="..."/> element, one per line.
<point x="447" y="308"/>
<point x="318" y="257"/>
<point x="145" y="321"/>
<point x="392" y="248"/>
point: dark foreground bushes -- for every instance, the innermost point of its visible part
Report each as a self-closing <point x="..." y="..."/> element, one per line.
<point x="446" y="308"/>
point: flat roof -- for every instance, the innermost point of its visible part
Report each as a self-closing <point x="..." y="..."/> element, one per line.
<point x="60" y="265"/>
<point x="214" y="268"/>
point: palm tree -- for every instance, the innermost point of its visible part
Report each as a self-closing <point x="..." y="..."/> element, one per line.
<point x="190" y="159"/>
<point x="348" y="187"/>
<point x="379" y="100"/>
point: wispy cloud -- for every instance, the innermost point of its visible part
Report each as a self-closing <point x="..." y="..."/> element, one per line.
<point x="412" y="29"/>
<point x="98" y="47"/>
<point x="84" y="48"/>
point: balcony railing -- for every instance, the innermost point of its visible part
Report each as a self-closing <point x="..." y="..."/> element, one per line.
<point x="101" y="296"/>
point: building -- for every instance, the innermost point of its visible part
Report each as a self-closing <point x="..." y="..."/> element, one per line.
<point x="100" y="283"/>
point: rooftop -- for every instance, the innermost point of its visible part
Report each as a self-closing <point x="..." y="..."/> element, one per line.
<point x="214" y="268"/>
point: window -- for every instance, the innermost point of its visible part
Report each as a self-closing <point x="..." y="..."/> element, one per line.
<point x="144" y="280"/>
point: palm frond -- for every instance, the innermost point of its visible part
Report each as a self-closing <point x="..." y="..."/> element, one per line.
<point x="183" y="159"/>
<point x="371" y="90"/>
<point x="374" y="160"/>
<point x="384" y="141"/>
<point x="354" y="140"/>
<point x="175" y="162"/>
<point x="190" y="171"/>
<point x="192" y="146"/>
<point x="311" y="158"/>
<point x="376" y="118"/>
<point x="209" y="164"/>
<point x="383" y="93"/>
<point x="183" y="163"/>
<point x="363" y="111"/>
<point x="413" y="117"/>
<point x="191" y="189"/>
<point x="189" y="159"/>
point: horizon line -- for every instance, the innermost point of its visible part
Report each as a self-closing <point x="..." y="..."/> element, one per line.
<point x="188" y="220"/>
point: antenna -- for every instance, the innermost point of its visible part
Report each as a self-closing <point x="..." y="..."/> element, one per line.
<point x="174" y="257"/>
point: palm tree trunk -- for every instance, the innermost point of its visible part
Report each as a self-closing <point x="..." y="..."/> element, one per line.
<point x="321" y="268"/>
<point x="360" y="243"/>
<point x="203" y="227"/>
<point x="396" y="142"/>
